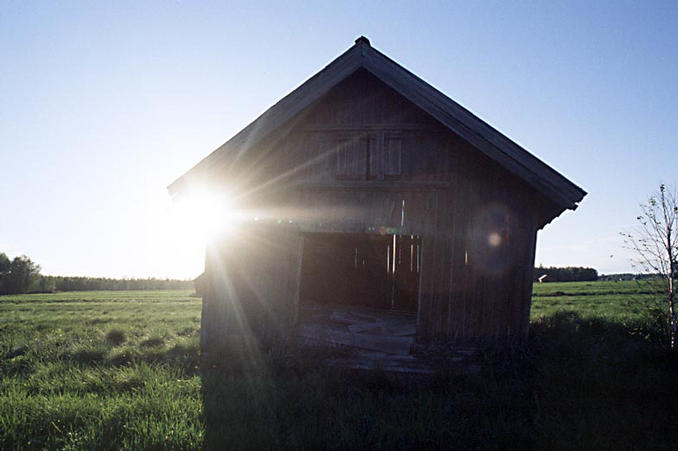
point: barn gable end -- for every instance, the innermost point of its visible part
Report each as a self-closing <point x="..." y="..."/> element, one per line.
<point x="365" y="175"/>
<point x="562" y="193"/>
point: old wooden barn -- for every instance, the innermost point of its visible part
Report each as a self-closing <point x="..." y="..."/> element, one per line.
<point x="368" y="207"/>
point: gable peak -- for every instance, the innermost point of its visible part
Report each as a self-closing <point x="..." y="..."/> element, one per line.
<point x="362" y="40"/>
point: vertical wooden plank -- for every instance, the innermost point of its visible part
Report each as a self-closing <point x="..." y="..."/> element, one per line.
<point x="424" y="309"/>
<point x="445" y="263"/>
<point x="428" y="270"/>
<point x="374" y="158"/>
<point x="392" y="156"/>
<point x="295" y="289"/>
<point x="207" y="297"/>
<point x="463" y="281"/>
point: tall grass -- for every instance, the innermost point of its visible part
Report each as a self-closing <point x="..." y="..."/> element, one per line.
<point x="591" y="376"/>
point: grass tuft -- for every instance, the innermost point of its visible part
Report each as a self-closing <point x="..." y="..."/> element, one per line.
<point x="124" y="358"/>
<point x="187" y="332"/>
<point x="153" y="342"/>
<point x="88" y="356"/>
<point x="116" y="337"/>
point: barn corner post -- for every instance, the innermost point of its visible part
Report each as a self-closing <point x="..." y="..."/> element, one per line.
<point x="528" y="277"/>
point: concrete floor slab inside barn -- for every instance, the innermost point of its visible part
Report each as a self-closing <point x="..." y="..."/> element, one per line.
<point x="373" y="339"/>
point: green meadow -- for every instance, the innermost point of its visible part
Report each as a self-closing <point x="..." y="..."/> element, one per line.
<point x="122" y="370"/>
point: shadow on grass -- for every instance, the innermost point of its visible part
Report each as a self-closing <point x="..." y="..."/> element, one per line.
<point x="578" y="382"/>
<point x="183" y="357"/>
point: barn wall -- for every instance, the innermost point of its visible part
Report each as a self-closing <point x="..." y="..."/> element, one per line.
<point x="252" y="283"/>
<point x="444" y="190"/>
<point x="479" y="289"/>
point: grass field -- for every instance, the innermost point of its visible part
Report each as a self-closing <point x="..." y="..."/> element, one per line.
<point x="122" y="370"/>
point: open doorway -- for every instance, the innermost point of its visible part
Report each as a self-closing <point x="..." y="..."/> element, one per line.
<point x="361" y="291"/>
<point x="378" y="271"/>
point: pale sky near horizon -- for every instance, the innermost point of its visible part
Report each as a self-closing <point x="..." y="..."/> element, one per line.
<point x="103" y="104"/>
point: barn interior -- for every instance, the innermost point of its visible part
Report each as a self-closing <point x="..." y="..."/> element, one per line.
<point x="360" y="291"/>
<point x="360" y="269"/>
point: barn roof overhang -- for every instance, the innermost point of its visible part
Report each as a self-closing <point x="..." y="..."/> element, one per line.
<point x="558" y="190"/>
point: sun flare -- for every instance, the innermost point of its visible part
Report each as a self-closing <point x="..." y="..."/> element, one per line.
<point x="205" y="214"/>
<point x="177" y="231"/>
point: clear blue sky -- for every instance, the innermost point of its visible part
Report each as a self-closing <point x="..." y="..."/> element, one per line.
<point x="103" y="104"/>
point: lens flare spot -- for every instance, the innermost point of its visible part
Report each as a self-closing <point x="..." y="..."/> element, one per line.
<point x="494" y="239"/>
<point x="206" y="215"/>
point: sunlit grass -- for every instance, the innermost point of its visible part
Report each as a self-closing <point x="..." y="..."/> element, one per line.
<point x="122" y="370"/>
<point x="116" y="369"/>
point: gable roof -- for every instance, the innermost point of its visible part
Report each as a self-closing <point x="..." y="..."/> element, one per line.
<point x="544" y="179"/>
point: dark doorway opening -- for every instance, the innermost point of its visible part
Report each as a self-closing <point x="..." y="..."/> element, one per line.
<point x="377" y="271"/>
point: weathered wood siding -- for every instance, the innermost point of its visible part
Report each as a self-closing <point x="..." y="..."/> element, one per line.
<point x="252" y="283"/>
<point x="364" y="159"/>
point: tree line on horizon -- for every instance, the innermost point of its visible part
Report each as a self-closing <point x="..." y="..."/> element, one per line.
<point x="566" y="274"/>
<point x="22" y="275"/>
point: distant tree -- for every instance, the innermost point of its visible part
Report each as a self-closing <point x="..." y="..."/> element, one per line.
<point x="5" y="265"/>
<point x="567" y="274"/>
<point x="20" y="276"/>
<point x="23" y="274"/>
<point x="655" y="243"/>
<point x="46" y="284"/>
